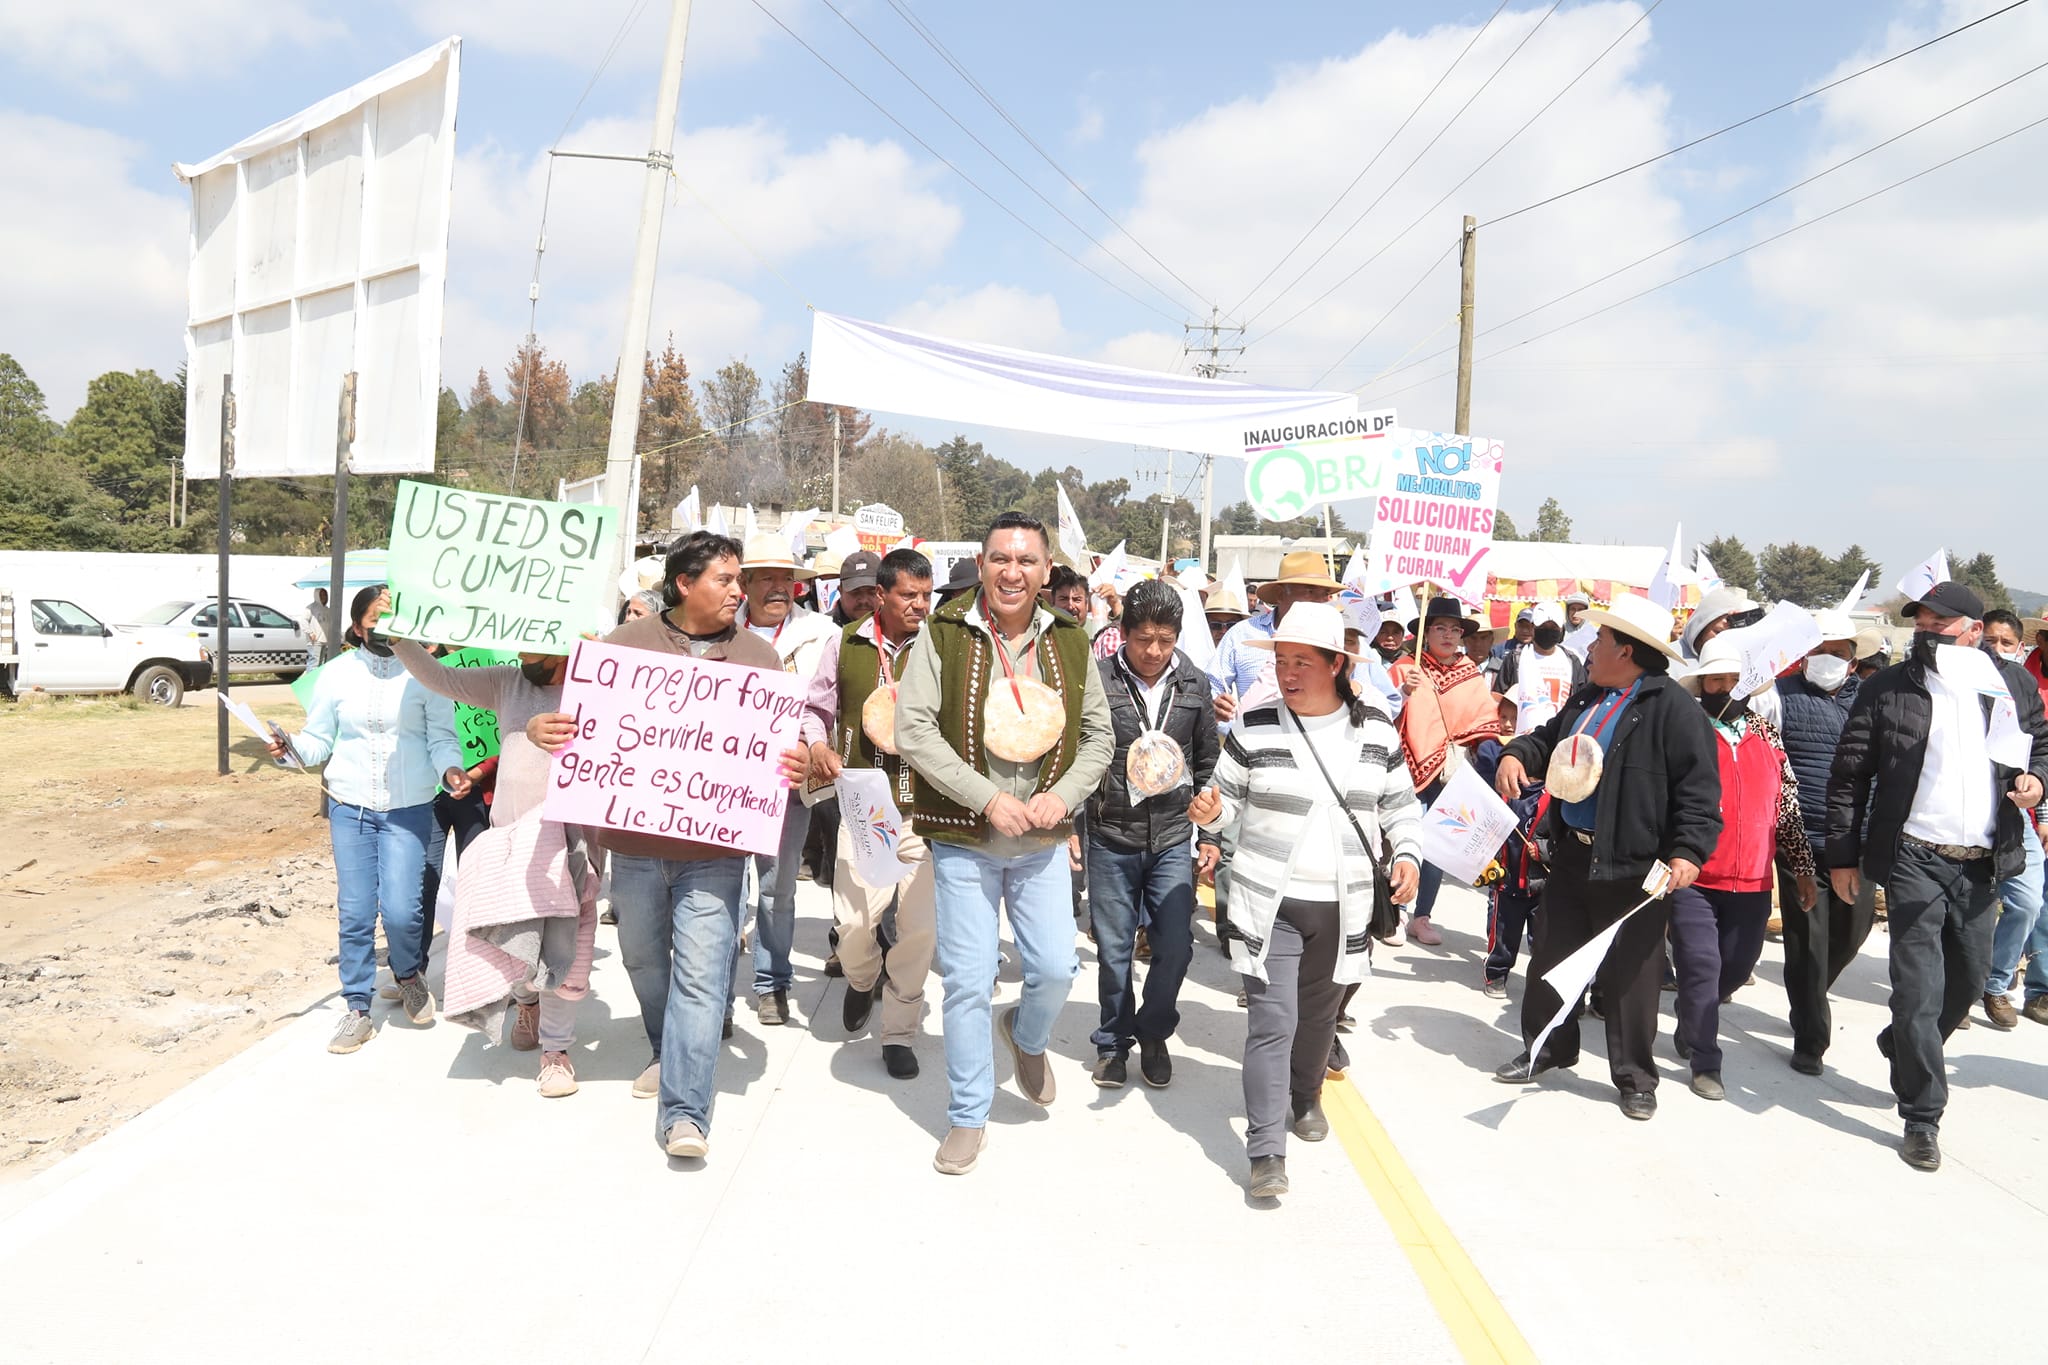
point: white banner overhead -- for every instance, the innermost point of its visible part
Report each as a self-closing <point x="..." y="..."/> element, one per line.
<point x="319" y="247"/>
<point x="865" y="364"/>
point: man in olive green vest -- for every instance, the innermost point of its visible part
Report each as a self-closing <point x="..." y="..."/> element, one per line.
<point x="998" y="826"/>
<point x="862" y="661"/>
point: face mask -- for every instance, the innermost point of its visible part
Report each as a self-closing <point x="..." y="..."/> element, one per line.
<point x="1826" y="672"/>
<point x="1549" y="637"/>
<point x="1723" y="706"/>
<point x="541" y="672"/>
<point x="378" y="643"/>
<point x="2011" y="657"/>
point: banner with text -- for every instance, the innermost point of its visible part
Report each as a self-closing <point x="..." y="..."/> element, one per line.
<point x="676" y="747"/>
<point x="1465" y="826"/>
<point x="1434" y="522"/>
<point x="474" y="726"/>
<point x="874" y="828"/>
<point x="472" y="568"/>
<point x="1784" y="637"/>
<point x="1292" y="467"/>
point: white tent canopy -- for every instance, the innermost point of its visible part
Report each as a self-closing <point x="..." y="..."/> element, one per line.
<point x="865" y="364"/>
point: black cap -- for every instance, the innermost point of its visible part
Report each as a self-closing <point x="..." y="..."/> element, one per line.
<point x="861" y="569"/>
<point x="1948" y="598"/>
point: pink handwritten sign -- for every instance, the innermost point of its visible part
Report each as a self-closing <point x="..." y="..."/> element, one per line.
<point x="676" y="747"/>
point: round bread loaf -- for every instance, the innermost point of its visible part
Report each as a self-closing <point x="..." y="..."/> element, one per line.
<point x="878" y="718"/>
<point x="1020" y="735"/>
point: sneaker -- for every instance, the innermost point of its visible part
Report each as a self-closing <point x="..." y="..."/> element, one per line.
<point x="648" y="1083"/>
<point x="900" y="1060"/>
<point x="1155" y="1064"/>
<point x="557" y="1076"/>
<point x="1496" y="988"/>
<point x="2037" y="1009"/>
<point x="773" y="1008"/>
<point x="416" y="1000"/>
<point x="1707" y="1085"/>
<point x="1269" y="1177"/>
<point x="686" y="1139"/>
<point x="2000" y="1012"/>
<point x="352" y="1032"/>
<point x="525" y="1025"/>
<point x="1421" y="930"/>
<point x="1113" y="1069"/>
<point x="961" y="1149"/>
<point x="1034" y="1076"/>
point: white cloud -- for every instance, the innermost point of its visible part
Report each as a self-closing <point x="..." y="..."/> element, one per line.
<point x="95" y="276"/>
<point x="999" y="314"/>
<point x="579" y="35"/>
<point x="96" y="43"/>
<point x="1089" y="125"/>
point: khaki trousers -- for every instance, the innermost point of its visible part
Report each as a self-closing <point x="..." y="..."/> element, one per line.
<point x="858" y="911"/>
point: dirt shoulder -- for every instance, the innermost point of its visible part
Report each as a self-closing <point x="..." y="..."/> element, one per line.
<point x="155" y="918"/>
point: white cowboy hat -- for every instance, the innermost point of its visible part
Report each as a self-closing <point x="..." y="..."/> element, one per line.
<point x="642" y="575"/>
<point x="1317" y="624"/>
<point x="1715" y="605"/>
<point x="773" y="552"/>
<point x="1720" y="655"/>
<point x="1638" y="618"/>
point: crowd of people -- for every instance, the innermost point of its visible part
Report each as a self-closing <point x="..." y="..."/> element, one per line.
<point x="1058" y="755"/>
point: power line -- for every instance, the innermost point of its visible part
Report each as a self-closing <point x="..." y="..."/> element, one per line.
<point x="1392" y="308"/>
<point x="1742" y="123"/>
<point x="1740" y="213"/>
<point x="1346" y="192"/>
<point x="939" y="105"/>
<point x="941" y="159"/>
<point x="1420" y="217"/>
<point x="931" y="39"/>
<point x="618" y="39"/>
<point x="1388" y="188"/>
<point x="1740" y="251"/>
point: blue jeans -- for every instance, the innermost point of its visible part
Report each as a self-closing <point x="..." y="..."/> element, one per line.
<point x="1122" y="884"/>
<point x="380" y="862"/>
<point x="2020" y="901"/>
<point x="775" y="901"/>
<point x="1038" y="889"/>
<point x="1432" y="879"/>
<point x="679" y="925"/>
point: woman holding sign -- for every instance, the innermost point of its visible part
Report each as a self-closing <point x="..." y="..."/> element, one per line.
<point x="387" y="743"/>
<point x="1319" y="783"/>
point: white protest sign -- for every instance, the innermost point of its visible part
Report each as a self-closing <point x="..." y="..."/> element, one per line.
<point x="1921" y="580"/>
<point x="1292" y="467"/>
<point x="1971" y="670"/>
<point x="1786" y="635"/>
<point x="1465" y="826"/>
<point x="1436" y="523"/>
<point x="1072" y="537"/>
<point x="874" y="828"/>
<point x="1111" y="566"/>
<point x="842" y="541"/>
<point x="676" y="747"/>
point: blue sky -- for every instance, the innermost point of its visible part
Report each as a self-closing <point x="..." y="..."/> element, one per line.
<point x="1796" y="393"/>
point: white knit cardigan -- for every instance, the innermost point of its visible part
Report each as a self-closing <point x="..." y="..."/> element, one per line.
<point x="1267" y="778"/>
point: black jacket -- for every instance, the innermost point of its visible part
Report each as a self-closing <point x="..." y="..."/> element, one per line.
<point x="1660" y="781"/>
<point x="1159" y="823"/>
<point x="1877" y="770"/>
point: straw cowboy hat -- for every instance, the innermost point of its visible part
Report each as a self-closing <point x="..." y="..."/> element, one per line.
<point x="1303" y="567"/>
<point x="1721" y="655"/>
<point x="1223" y="603"/>
<point x="1639" y="619"/>
<point x="1317" y="624"/>
<point x="773" y="552"/>
<point x="2034" y="625"/>
<point x="642" y="575"/>
<point x="826" y="565"/>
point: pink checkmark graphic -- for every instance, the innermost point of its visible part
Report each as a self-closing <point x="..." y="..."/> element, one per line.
<point x="1458" y="576"/>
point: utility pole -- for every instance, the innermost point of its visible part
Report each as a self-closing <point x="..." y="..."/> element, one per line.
<point x="1215" y="329"/>
<point x="835" y="462"/>
<point x="1166" y="518"/>
<point x="1469" y="261"/>
<point x="622" y="457"/>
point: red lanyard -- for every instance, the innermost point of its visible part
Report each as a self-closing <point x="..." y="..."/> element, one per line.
<point x="882" y="649"/>
<point x="1613" y="711"/>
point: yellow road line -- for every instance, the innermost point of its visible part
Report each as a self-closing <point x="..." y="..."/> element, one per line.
<point x="1478" y="1324"/>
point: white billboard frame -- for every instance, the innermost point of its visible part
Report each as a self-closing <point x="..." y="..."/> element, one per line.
<point x="319" y="247"/>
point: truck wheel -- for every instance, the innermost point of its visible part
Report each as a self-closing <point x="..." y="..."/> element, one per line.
<point x="160" y="685"/>
<point x="291" y="675"/>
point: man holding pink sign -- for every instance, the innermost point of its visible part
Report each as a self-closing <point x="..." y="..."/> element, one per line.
<point x="679" y="744"/>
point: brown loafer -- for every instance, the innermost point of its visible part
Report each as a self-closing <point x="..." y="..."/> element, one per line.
<point x="1034" y="1077"/>
<point x="958" y="1153"/>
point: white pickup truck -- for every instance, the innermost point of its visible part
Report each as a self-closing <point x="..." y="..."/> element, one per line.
<point x="58" y="646"/>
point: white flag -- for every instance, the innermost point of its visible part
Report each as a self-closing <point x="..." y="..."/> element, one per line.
<point x="689" y="513"/>
<point x="1570" y="977"/>
<point x="1406" y="608"/>
<point x="1195" y="641"/>
<point x="1073" y="539"/>
<point x="1465" y="826"/>
<point x="1856" y="593"/>
<point x="798" y="527"/>
<point x="842" y="541"/>
<point x="1703" y="570"/>
<point x="1670" y="577"/>
<point x="1961" y="668"/>
<point x="716" y="523"/>
<point x="750" y="526"/>
<point x="874" y="828"/>
<point x="1787" y="634"/>
<point x="1361" y="613"/>
<point x="1111" y="567"/>
<point x="1921" y="580"/>
<point x="1232" y="587"/>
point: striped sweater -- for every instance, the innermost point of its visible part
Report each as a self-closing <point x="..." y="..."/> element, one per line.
<point x="1268" y="780"/>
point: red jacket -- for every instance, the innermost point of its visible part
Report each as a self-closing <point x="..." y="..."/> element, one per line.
<point x="2034" y="665"/>
<point x="1750" y="775"/>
